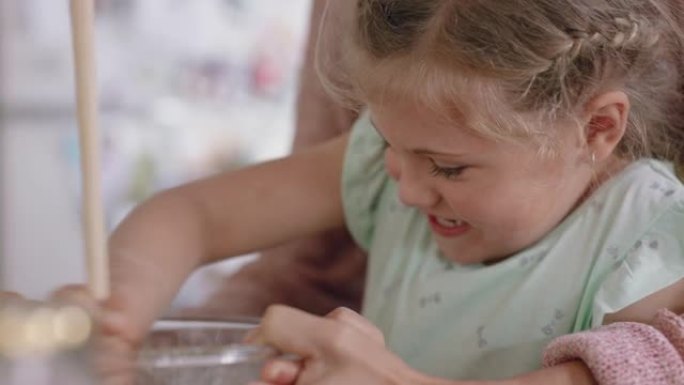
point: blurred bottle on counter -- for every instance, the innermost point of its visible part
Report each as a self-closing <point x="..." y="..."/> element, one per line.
<point x="44" y="344"/>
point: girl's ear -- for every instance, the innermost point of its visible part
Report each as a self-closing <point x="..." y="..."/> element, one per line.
<point x="606" y="117"/>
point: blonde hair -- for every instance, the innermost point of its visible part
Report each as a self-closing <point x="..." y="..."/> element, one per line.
<point x="510" y="67"/>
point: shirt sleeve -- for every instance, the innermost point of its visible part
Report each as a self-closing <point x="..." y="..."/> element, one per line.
<point x="363" y="180"/>
<point x="627" y="352"/>
<point x="653" y="263"/>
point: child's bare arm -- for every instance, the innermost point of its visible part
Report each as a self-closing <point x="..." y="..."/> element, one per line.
<point x="317" y="273"/>
<point x="162" y="241"/>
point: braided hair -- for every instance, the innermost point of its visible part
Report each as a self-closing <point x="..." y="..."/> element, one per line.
<point x="521" y="64"/>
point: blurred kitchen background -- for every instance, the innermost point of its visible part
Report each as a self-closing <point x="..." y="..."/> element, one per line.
<point x="187" y="88"/>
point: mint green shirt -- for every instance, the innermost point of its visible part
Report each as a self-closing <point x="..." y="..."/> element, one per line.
<point x="486" y="322"/>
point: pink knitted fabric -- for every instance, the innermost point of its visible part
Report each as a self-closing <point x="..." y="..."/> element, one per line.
<point x="627" y="353"/>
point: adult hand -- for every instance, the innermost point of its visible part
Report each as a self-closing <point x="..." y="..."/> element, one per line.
<point x="339" y="349"/>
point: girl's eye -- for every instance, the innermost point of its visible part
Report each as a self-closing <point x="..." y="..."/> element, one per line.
<point x="447" y="172"/>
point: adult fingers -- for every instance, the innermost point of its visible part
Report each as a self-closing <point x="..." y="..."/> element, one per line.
<point x="281" y="372"/>
<point x="357" y="321"/>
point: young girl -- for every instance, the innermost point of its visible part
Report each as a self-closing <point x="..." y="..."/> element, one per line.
<point x="511" y="177"/>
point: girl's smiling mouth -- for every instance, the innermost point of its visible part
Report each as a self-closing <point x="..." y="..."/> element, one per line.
<point x="448" y="227"/>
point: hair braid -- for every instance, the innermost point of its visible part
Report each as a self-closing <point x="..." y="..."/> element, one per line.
<point x="517" y="65"/>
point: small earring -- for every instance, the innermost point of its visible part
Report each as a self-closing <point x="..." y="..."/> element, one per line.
<point x="593" y="159"/>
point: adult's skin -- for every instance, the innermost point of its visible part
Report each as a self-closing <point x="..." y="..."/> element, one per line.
<point x="316" y="274"/>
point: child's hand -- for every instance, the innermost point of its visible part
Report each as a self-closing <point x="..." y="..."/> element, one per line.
<point x="114" y="341"/>
<point x="339" y="349"/>
<point x="116" y="337"/>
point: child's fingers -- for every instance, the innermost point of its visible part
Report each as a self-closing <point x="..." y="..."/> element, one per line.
<point x="360" y="323"/>
<point x="78" y="295"/>
<point x="113" y="358"/>
<point x="108" y="321"/>
<point x="277" y="371"/>
<point x="294" y="331"/>
<point x="253" y="336"/>
<point x="305" y="335"/>
<point x="281" y="372"/>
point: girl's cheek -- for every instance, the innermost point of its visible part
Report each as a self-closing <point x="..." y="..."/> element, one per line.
<point x="392" y="164"/>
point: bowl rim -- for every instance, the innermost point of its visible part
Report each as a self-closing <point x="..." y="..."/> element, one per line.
<point x="193" y="356"/>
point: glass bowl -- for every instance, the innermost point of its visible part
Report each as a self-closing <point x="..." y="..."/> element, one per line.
<point x="191" y="352"/>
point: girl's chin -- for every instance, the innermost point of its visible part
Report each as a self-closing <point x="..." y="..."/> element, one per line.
<point x="461" y="258"/>
<point x="470" y="259"/>
<point x="456" y="255"/>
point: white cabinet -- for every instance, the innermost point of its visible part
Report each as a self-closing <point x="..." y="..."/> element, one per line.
<point x="187" y="88"/>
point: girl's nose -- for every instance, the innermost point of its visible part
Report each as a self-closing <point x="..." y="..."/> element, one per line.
<point x="414" y="189"/>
